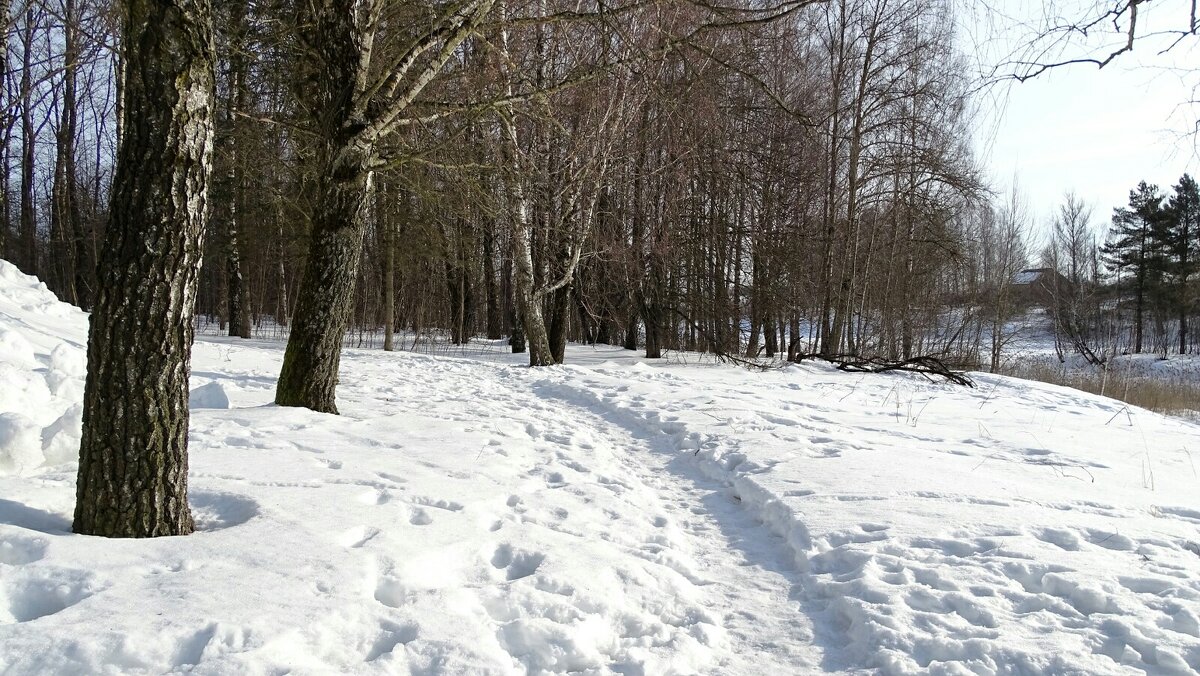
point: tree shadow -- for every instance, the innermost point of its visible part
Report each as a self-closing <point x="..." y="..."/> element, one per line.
<point x="32" y="518"/>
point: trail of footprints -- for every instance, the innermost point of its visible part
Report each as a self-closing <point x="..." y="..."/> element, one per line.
<point x="858" y="574"/>
<point x="562" y="494"/>
<point x="29" y="591"/>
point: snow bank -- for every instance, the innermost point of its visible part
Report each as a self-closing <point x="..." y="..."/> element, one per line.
<point x="43" y="361"/>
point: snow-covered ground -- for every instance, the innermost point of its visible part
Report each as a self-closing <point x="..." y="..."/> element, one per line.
<point x="610" y="516"/>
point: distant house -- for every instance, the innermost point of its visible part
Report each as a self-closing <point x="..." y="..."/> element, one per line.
<point x="1039" y="286"/>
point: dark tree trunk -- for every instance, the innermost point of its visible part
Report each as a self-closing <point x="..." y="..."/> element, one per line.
<point x="458" y="283"/>
<point x="28" y="226"/>
<point x="1139" y="301"/>
<point x="6" y="123"/>
<point x="327" y="85"/>
<point x="309" y="375"/>
<point x="64" y="215"/>
<point x="387" y="225"/>
<point x="517" y="338"/>
<point x="586" y="334"/>
<point x="494" y="324"/>
<point x="516" y="324"/>
<point x="133" y="457"/>
<point x="239" y="291"/>
<point x="560" y="310"/>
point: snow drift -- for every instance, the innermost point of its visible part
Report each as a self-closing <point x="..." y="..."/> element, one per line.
<point x="43" y="359"/>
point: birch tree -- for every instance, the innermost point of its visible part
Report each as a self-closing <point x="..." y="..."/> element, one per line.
<point x="133" y="457"/>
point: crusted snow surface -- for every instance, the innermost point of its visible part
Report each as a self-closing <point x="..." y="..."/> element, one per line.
<point x="610" y="516"/>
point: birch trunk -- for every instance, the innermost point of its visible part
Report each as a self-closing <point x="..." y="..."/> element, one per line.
<point x="133" y="457"/>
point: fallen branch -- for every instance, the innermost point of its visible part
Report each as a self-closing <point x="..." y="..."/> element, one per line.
<point x="926" y="366"/>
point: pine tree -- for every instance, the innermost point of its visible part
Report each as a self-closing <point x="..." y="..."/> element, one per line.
<point x="1132" y="247"/>
<point x="1181" y="226"/>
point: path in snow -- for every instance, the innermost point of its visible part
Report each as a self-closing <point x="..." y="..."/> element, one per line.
<point x="708" y="566"/>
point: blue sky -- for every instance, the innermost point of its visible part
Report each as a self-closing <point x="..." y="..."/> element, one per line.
<point x="1095" y="131"/>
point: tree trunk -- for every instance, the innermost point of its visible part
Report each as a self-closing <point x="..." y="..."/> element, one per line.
<point x="6" y="123"/>
<point x="133" y="457"/>
<point x="64" y="216"/>
<point x="239" y="291"/>
<point x="529" y="304"/>
<point x="494" y="326"/>
<point x="386" y="224"/>
<point x="310" y="363"/>
<point x="516" y="337"/>
<point x="329" y="81"/>
<point x="27" y="236"/>
<point x="560" y="311"/>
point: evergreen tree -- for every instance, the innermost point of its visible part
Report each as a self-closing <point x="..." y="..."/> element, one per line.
<point x="1132" y="247"/>
<point x="1181" y="226"/>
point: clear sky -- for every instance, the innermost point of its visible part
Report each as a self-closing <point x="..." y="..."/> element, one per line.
<point x="1095" y="131"/>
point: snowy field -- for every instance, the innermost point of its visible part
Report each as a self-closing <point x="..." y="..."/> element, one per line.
<point x="470" y="516"/>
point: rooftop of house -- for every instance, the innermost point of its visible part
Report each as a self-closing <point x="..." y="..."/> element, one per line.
<point x="1029" y="276"/>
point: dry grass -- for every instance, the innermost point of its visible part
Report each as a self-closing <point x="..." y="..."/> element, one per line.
<point x="1172" y="395"/>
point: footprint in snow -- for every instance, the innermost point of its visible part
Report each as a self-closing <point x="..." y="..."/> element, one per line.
<point x="516" y="563"/>
<point x="358" y="536"/>
<point x="375" y="497"/>
<point x="390" y="636"/>
<point x="17" y="550"/>
<point x="390" y="592"/>
<point x="26" y="597"/>
<point x="447" y="505"/>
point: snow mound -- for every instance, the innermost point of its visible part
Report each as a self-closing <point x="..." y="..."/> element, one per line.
<point x="43" y="363"/>
<point x="211" y="395"/>
<point x="20" y="444"/>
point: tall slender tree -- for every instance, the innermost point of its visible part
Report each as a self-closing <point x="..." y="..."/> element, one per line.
<point x="1182" y="217"/>
<point x="1131" y="247"/>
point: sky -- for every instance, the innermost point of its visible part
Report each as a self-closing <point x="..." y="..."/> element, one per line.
<point x="1097" y="132"/>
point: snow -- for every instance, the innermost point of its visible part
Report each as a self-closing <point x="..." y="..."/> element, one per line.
<point x="610" y="516"/>
<point x="1026" y="277"/>
<point x="212" y="395"/>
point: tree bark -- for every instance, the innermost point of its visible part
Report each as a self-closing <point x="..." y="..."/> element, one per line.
<point x="133" y="457"/>
<point x="494" y="328"/>
<point x="310" y="363"/>
<point x="28" y="260"/>
<point x="330" y="82"/>
<point x="239" y="291"/>
<point x="64" y="216"/>
<point x="386" y="224"/>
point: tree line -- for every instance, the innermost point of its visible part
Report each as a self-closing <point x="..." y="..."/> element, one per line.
<point x="687" y="179"/>
<point x="1133" y="290"/>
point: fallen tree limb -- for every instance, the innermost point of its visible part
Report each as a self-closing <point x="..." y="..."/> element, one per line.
<point x="926" y="366"/>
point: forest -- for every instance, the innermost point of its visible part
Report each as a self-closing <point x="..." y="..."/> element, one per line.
<point x="789" y="179"/>
<point x="764" y="181"/>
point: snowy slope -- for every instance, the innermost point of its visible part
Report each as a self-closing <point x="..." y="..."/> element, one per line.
<point x="611" y="516"/>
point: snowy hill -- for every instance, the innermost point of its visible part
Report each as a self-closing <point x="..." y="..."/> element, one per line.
<point x="612" y="516"/>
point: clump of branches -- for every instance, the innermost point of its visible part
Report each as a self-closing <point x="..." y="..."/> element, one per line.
<point x="927" y="366"/>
